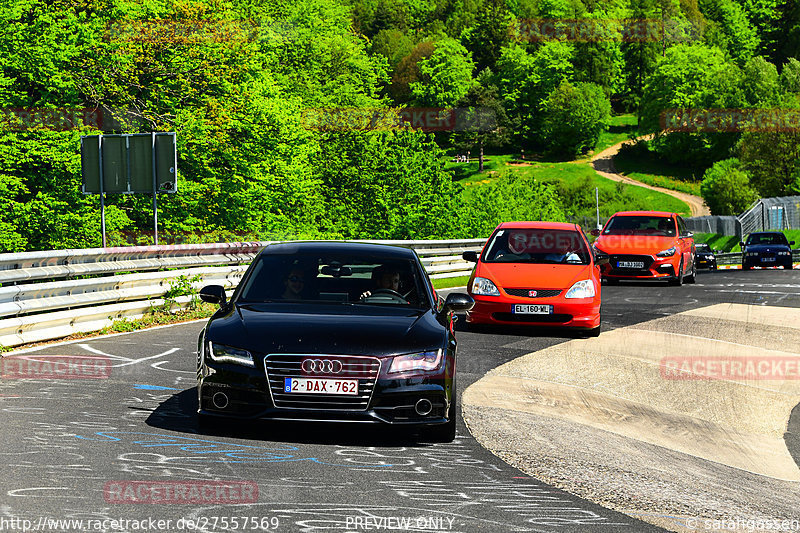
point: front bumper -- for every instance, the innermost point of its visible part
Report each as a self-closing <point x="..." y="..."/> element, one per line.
<point x="392" y="401"/>
<point x="766" y="261"/>
<point x="578" y="313"/>
<point x="653" y="267"/>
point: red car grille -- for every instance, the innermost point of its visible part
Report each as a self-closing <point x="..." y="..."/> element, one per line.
<point x="533" y="293"/>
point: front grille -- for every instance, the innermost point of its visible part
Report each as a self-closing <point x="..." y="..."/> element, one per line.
<point x="281" y="366"/>
<point x="540" y="293"/>
<point x="513" y="317"/>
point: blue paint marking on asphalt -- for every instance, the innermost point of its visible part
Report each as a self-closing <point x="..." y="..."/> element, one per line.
<point x="139" y="386"/>
<point x="231" y="453"/>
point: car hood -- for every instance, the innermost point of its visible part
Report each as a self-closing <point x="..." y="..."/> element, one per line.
<point x="762" y="248"/>
<point x="634" y="244"/>
<point x="334" y="329"/>
<point x="533" y="276"/>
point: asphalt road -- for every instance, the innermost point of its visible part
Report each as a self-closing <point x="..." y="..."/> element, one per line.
<point x="72" y="448"/>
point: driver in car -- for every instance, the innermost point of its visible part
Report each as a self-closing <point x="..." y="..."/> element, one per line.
<point x="385" y="279"/>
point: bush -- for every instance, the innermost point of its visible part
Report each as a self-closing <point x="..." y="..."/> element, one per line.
<point x="726" y="188"/>
<point x="573" y="118"/>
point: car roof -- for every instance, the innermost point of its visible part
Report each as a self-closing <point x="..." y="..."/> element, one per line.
<point x="381" y="251"/>
<point x="640" y="213"/>
<point x="538" y="225"/>
<point x="767" y="233"/>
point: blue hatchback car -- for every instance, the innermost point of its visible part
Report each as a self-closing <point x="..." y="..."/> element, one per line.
<point x="766" y="249"/>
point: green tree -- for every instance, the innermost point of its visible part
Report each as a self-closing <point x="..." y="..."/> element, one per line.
<point x="445" y="76"/>
<point x="489" y="34"/>
<point x="730" y="29"/>
<point x="772" y="158"/>
<point x="691" y="77"/>
<point x="485" y="121"/>
<point x="574" y="117"/>
<point x="790" y="76"/>
<point x="726" y="188"/>
<point x="760" y="82"/>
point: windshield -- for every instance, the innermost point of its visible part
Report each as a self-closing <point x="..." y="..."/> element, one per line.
<point x="340" y="279"/>
<point x="767" y="238"/>
<point x="641" y="225"/>
<point x="703" y="248"/>
<point x="537" y="246"/>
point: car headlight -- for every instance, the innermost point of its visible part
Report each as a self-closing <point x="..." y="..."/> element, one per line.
<point x="581" y="289"/>
<point x="667" y="253"/>
<point x="484" y="287"/>
<point x="784" y="253"/>
<point x="416" y="361"/>
<point x="227" y="354"/>
<point x="752" y="254"/>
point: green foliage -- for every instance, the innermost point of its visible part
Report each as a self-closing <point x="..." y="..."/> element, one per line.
<point x="387" y="185"/>
<point x="760" y="83"/>
<point x="694" y="77"/>
<point x="510" y="197"/>
<point x="730" y="29"/>
<point x="772" y="158"/>
<point x="726" y="188"/>
<point x="181" y="286"/>
<point x="573" y="118"/>
<point x="446" y="75"/>
<point x="790" y="76"/>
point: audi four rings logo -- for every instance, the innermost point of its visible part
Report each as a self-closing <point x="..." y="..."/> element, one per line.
<point x="532" y="294"/>
<point x="321" y="366"/>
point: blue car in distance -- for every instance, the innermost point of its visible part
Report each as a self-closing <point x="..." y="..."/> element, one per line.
<point x="766" y="249"/>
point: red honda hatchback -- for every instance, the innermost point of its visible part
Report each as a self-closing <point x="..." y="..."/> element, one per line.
<point x="536" y="273"/>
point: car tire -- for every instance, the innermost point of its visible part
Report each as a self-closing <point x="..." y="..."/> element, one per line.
<point x="788" y="267"/>
<point x="612" y="281"/>
<point x="693" y="277"/>
<point x="678" y="279"/>
<point x="745" y="267"/>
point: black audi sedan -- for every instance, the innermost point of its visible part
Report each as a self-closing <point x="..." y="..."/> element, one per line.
<point x="332" y="331"/>
<point x="766" y="249"/>
<point x="705" y="256"/>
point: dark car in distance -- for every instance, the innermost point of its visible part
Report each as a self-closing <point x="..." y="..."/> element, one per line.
<point x="706" y="257"/>
<point x="334" y="332"/>
<point x="766" y="249"/>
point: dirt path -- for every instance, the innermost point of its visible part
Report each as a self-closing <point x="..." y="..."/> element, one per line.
<point x="603" y="164"/>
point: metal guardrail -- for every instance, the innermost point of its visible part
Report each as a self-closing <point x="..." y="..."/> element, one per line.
<point x="126" y="282"/>
<point x="735" y="258"/>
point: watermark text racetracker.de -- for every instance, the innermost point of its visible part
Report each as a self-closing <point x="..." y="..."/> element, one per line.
<point x="729" y="368"/>
<point x="427" y="119"/>
<point x="55" y="367"/>
<point x="722" y="120"/>
<point x="150" y="524"/>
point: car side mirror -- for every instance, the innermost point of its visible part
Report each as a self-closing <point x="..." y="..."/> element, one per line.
<point x="458" y="302"/>
<point x="470" y="256"/>
<point x="791" y="243"/>
<point x="213" y="294"/>
<point x="601" y="258"/>
<point x="741" y="244"/>
<point x="595" y="233"/>
<point x="689" y="234"/>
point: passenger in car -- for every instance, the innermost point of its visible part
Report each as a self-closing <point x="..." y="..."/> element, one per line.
<point x="384" y="278"/>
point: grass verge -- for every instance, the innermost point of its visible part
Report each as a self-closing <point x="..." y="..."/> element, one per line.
<point x="446" y="283"/>
<point x="643" y="165"/>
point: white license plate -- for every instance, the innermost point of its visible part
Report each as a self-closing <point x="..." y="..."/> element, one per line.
<point x="321" y="386"/>
<point x="525" y="309"/>
<point x="630" y="264"/>
<point x="767" y="259"/>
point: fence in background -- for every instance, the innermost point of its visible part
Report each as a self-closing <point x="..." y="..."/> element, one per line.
<point x="766" y="214"/>
<point x="52" y="294"/>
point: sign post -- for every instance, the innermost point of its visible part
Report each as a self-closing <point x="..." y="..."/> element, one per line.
<point x="138" y="163"/>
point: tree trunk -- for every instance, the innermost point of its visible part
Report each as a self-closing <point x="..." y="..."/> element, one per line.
<point x="480" y="159"/>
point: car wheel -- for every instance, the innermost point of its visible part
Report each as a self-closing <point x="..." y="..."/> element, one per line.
<point x="692" y="278"/>
<point x="745" y="267"/>
<point x="788" y="267"/>
<point x="678" y="279"/>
